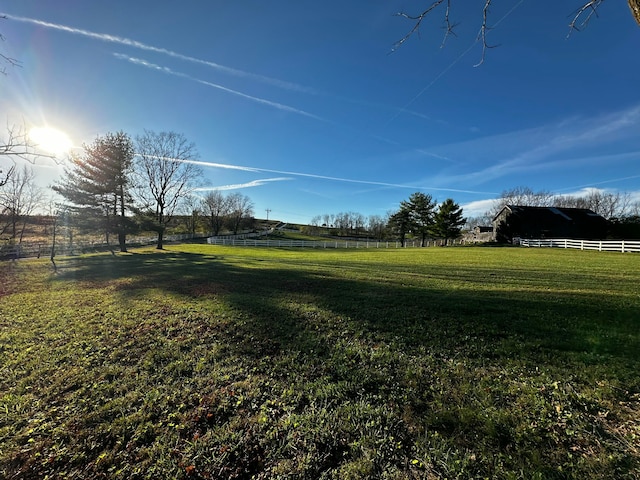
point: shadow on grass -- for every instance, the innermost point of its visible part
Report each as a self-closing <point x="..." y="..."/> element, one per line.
<point x="280" y="307"/>
<point x="315" y="367"/>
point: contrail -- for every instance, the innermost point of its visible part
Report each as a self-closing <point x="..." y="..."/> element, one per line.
<point x="167" y="70"/>
<point x="237" y="186"/>
<point x="105" y="37"/>
<point x="198" y="162"/>
<point x="319" y="177"/>
<point x="587" y="185"/>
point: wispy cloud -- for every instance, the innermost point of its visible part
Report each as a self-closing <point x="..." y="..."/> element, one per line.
<point x="330" y="178"/>
<point x="545" y="148"/>
<point x="238" y="186"/>
<point x="105" y="37"/>
<point x="478" y="208"/>
<point x="169" y="71"/>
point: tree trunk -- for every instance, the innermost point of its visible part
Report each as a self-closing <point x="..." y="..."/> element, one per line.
<point x="122" y="234"/>
<point x="122" y="240"/>
<point x="160" y="238"/>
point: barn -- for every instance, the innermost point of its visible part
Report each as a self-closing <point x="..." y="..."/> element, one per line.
<point x="516" y="221"/>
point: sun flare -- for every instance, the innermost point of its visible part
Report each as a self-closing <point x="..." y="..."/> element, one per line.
<point x="51" y="140"/>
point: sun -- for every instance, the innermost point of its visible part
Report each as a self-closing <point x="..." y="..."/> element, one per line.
<point x="51" y="140"/>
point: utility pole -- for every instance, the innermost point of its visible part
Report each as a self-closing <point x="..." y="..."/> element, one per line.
<point x="267" y="210"/>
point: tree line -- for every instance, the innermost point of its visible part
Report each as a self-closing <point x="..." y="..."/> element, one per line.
<point x="419" y="216"/>
<point x="120" y="185"/>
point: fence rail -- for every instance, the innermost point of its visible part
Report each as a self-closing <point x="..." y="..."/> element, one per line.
<point x="23" y="250"/>
<point x="623" y="246"/>
<point x="309" y="243"/>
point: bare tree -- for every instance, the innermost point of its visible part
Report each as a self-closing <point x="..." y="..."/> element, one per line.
<point x="607" y="204"/>
<point x="240" y="208"/>
<point x="342" y="222"/>
<point x="358" y="222"/>
<point x="216" y="208"/>
<point x="19" y="197"/>
<point x="190" y="210"/>
<point x="315" y="221"/>
<point x="377" y="226"/>
<point x="522" y="196"/>
<point x="579" y="20"/>
<point x="166" y="174"/>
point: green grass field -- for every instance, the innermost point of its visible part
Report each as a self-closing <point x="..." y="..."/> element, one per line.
<point x="221" y="362"/>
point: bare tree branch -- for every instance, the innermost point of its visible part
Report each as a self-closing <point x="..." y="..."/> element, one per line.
<point x="448" y="26"/>
<point x="579" y="20"/>
<point x="583" y="14"/>
<point x="5" y="58"/>
<point x="482" y="36"/>
<point x="418" y="21"/>
<point x="4" y="178"/>
<point x="17" y="144"/>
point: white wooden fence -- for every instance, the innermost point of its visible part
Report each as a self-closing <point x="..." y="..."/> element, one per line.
<point x="22" y="250"/>
<point x="246" y="242"/>
<point x="599" y="245"/>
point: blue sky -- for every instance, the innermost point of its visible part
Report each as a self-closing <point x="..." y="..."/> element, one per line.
<point x="303" y="107"/>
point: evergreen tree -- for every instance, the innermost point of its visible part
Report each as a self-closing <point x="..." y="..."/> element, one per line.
<point x="97" y="185"/>
<point x="421" y="207"/>
<point x="400" y="222"/>
<point x="448" y="221"/>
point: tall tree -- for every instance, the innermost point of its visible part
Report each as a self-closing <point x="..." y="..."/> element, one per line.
<point x="98" y="183"/>
<point x="448" y="221"/>
<point x="166" y="174"/>
<point x="190" y="210"/>
<point x="216" y="208"/>
<point x="400" y="223"/>
<point x="421" y="207"/>
<point x="377" y="225"/>
<point x="240" y="209"/>
<point x="19" y="197"/>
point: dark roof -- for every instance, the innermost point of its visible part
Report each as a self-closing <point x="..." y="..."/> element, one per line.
<point x="553" y="213"/>
<point x="549" y="222"/>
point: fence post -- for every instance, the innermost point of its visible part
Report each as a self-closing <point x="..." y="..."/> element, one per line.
<point x="581" y="244"/>
<point x="622" y="246"/>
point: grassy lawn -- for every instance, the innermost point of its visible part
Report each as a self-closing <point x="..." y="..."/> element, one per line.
<point x="221" y="362"/>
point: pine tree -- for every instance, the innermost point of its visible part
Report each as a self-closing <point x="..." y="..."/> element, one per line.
<point x="97" y="185"/>
<point x="400" y="223"/>
<point x="421" y="206"/>
<point x="448" y="221"/>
